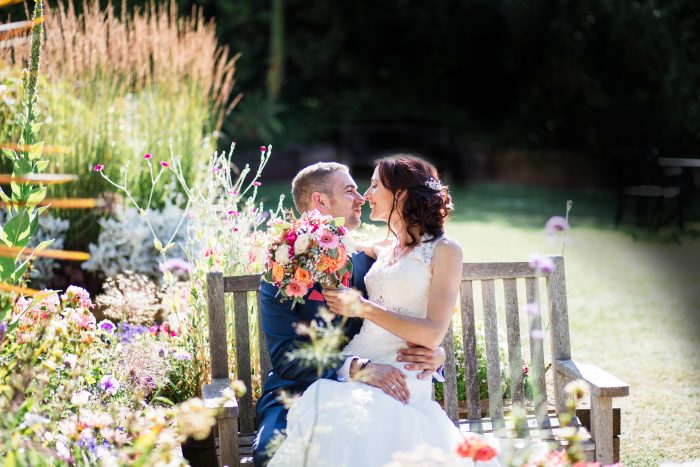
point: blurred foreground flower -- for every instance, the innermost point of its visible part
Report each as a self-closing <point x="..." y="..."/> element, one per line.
<point x="194" y="419"/>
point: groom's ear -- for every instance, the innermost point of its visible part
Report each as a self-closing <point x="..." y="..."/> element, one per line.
<point x="319" y="201"/>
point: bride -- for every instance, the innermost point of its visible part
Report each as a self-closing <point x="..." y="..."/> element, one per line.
<point x="412" y="289"/>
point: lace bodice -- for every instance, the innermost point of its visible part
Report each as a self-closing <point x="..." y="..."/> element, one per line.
<point x="401" y="286"/>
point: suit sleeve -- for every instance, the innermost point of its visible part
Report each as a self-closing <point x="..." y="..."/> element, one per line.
<point x="278" y="321"/>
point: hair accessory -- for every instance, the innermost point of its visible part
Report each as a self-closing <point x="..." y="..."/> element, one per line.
<point x="433" y="184"/>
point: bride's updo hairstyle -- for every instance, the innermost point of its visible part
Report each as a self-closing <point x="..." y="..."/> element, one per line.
<point x="426" y="203"/>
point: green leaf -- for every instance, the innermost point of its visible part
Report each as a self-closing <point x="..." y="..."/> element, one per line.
<point x="338" y="221"/>
<point x="35" y="150"/>
<point x="7" y="267"/>
<point x="42" y="246"/>
<point x="41" y="165"/>
<point x="37" y="196"/>
<point x="36" y="126"/>
<point x="4" y="197"/>
<point x="279" y="228"/>
<point x="9" y="153"/>
<point x="17" y="273"/>
<point x="16" y="230"/>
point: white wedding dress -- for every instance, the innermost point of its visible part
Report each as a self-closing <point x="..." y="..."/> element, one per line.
<point x="359" y="425"/>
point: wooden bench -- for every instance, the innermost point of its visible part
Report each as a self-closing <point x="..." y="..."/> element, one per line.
<point x="236" y="426"/>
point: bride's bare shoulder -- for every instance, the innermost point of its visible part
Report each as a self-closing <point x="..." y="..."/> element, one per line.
<point x="447" y="248"/>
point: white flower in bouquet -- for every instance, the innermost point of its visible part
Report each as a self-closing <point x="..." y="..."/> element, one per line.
<point x="282" y="254"/>
<point x="302" y="244"/>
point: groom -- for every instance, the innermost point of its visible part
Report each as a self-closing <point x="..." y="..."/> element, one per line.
<point x="329" y="188"/>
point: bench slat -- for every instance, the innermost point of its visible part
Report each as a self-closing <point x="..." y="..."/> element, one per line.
<point x="490" y="271"/>
<point x="265" y="362"/>
<point x="517" y="390"/>
<point x="450" y="385"/>
<point x="537" y="374"/>
<point x="217" y="325"/>
<point x="246" y="414"/>
<point x="488" y="294"/>
<point x="249" y="283"/>
<point x="471" y="371"/>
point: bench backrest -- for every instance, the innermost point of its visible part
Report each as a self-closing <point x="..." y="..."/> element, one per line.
<point x="488" y="275"/>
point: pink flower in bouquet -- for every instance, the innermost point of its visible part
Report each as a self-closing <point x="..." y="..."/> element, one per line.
<point x="291" y="238"/>
<point x="295" y="289"/>
<point x="327" y="240"/>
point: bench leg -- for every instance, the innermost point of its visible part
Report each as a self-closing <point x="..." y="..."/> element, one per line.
<point x="228" y="442"/>
<point x="602" y="428"/>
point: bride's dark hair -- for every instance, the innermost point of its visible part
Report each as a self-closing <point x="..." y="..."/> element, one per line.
<point x="426" y="201"/>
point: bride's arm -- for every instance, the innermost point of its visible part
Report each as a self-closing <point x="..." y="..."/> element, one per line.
<point x="442" y="296"/>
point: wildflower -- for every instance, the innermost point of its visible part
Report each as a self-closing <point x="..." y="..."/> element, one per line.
<point x="295" y="289"/>
<point x="129" y="297"/>
<point x="556" y="224"/>
<point x="148" y="156"/>
<point x="233" y="193"/>
<point x="77" y="296"/>
<point x="533" y="310"/>
<point x="180" y="355"/>
<point x="233" y="212"/>
<point x="526" y="370"/>
<point x="541" y="263"/>
<point x="194" y="419"/>
<point x="476" y="448"/>
<point x="3" y="331"/>
<point x="263" y="149"/>
<point x="577" y="389"/>
<point x="164" y="164"/>
<point x="327" y="240"/>
<point x="176" y="264"/>
<point x="106" y="326"/>
<point x="239" y="388"/>
<point x="70" y="360"/>
<point x="208" y="252"/>
<point x="257" y="183"/>
<point x="98" y="168"/>
<point x="537" y="334"/>
<point x="80" y="398"/>
<point x="109" y="385"/>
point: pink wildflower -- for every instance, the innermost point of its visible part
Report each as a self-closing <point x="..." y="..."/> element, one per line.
<point x="164" y="164"/>
<point x="235" y="229"/>
<point x="208" y="252"/>
<point x="147" y="156"/>
<point x="533" y="310"/>
<point x="327" y="240"/>
<point x="233" y="212"/>
<point x="233" y="193"/>
<point x="257" y="183"/>
<point x="263" y="149"/>
<point x="295" y="289"/>
<point x="77" y="296"/>
<point x="537" y="334"/>
<point x="556" y="224"/>
<point x="541" y="263"/>
<point x="98" y="168"/>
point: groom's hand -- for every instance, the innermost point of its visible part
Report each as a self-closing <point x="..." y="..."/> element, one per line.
<point x="422" y="358"/>
<point x="388" y="378"/>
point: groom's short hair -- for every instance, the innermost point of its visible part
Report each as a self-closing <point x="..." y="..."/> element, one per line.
<point x="314" y="178"/>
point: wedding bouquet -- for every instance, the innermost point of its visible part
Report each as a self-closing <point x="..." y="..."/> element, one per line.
<point x="311" y="249"/>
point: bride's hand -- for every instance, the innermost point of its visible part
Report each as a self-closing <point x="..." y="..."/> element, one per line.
<point x="345" y="302"/>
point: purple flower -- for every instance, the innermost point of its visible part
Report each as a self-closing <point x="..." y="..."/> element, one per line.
<point x="533" y="310"/>
<point x="541" y="263"/>
<point x="537" y="334"/>
<point x="127" y="332"/>
<point x="98" y="168"/>
<point x="3" y="331"/>
<point x="107" y="326"/>
<point x="176" y="264"/>
<point x="556" y="224"/>
<point x="70" y="360"/>
<point x="109" y="384"/>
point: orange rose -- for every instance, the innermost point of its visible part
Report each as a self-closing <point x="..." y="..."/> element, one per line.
<point x="277" y="272"/>
<point x="324" y="262"/>
<point x="303" y="276"/>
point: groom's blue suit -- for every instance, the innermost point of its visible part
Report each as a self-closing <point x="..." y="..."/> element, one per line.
<point x="278" y="320"/>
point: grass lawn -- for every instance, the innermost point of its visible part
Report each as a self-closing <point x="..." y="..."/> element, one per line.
<point x="634" y="306"/>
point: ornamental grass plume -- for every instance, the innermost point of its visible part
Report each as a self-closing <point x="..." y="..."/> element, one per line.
<point x="142" y="366"/>
<point x="129" y="297"/>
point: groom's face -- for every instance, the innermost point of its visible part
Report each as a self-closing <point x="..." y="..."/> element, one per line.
<point x="345" y="201"/>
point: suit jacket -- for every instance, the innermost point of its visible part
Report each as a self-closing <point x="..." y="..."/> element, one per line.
<point x="278" y="320"/>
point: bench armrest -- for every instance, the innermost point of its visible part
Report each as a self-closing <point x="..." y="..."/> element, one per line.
<point x="213" y="397"/>
<point x="602" y="383"/>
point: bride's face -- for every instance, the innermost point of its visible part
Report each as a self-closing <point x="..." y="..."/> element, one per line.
<point x="380" y="199"/>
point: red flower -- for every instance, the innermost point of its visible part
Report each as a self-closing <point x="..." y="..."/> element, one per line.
<point x="98" y="168"/>
<point x="346" y="279"/>
<point x="485" y="453"/>
<point x="263" y="149"/>
<point x="291" y="238"/>
<point x="147" y="156"/>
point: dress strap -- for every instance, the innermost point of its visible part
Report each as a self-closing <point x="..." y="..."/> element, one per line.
<point x="426" y="248"/>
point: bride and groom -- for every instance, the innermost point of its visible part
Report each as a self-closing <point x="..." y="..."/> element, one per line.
<point x="378" y="403"/>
